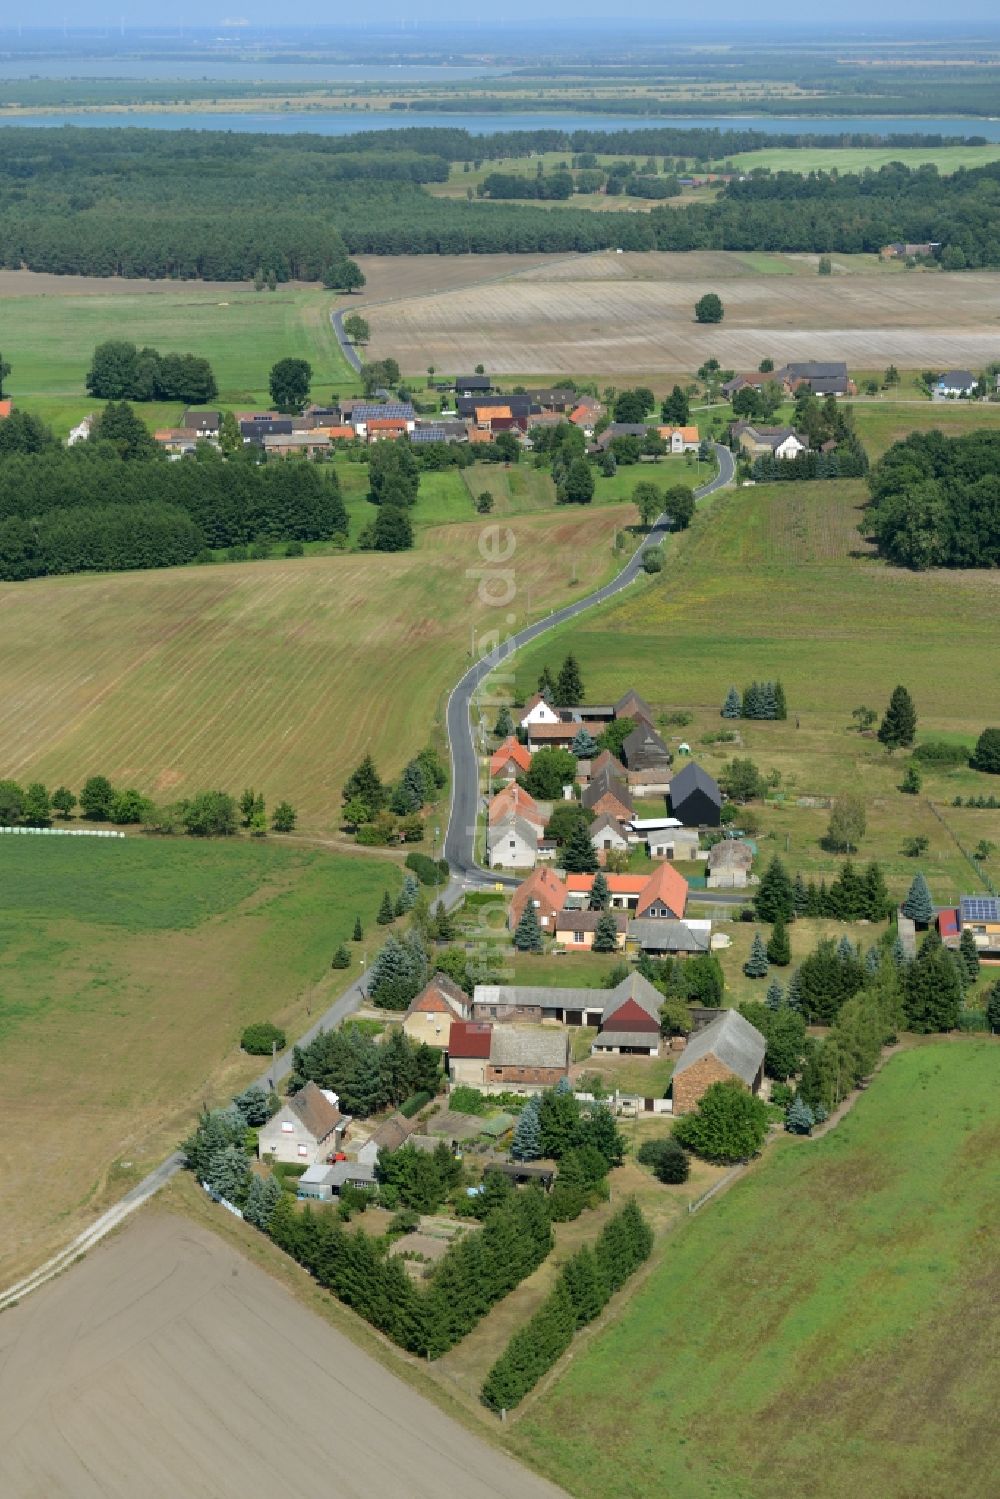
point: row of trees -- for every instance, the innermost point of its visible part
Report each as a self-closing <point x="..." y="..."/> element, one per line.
<point x="121" y="372"/>
<point x="853" y="896"/>
<point x="206" y="814"/>
<point x="372" y="806"/>
<point x="586" y="1283"/>
<point x="759" y="700"/>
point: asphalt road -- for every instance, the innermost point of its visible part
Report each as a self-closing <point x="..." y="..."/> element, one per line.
<point x="459" y="845"/>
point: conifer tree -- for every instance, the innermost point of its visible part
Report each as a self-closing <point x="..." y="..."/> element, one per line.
<point x="528" y="933"/>
<point x="969" y="953"/>
<point x="386" y="911"/>
<point x="569" y="684"/>
<point x="409" y="892"/>
<point x="359" y="930"/>
<point x="775" y="895"/>
<point x="444" y="923"/>
<point x="341" y="958"/>
<point x="752" y="701"/>
<point x="775" y="996"/>
<point x="504" y="724"/>
<point x="898" y="952"/>
<point x="873" y="959"/>
<point x="918" y="905"/>
<point x="584" y="1285"/>
<point x="527" y="1142"/>
<point x="579" y="854"/>
<point x="800" y="1118"/>
<point x="846" y="951"/>
<point x="756" y="964"/>
<point x="899" y="722"/>
<point x="800" y="895"/>
<point x="932" y="989"/>
<point x="364" y="785"/>
<point x="606" y="933"/>
<point x="780" y="704"/>
<point x="779" y="949"/>
<point x="768" y="705"/>
<point x="584" y="745"/>
<point x="546" y="684"/>
<point x="875" y="903"/>
<point x="733" y="706"/>
<point x="600" y="895"/>
<point x="793" y="996"/>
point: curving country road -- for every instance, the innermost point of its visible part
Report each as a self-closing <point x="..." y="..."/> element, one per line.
<point x="459" y="845"/>
<point x="459" y="850"/>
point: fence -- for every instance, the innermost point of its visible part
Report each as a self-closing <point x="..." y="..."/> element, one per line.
<point x="222" y="1201"/>
<point x="718" y="1186"/>
<point x="66" y="832"/>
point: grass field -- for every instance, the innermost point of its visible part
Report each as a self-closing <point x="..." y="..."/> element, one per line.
<point x="49" y="338"/>
<point x="947" y="159"/>
<point x="824" y="1328"/>
<point x="128" y="969"/>
<point x="277" y="674"/>
<point x="775" y="581"/>
<point x="624" y="314"/>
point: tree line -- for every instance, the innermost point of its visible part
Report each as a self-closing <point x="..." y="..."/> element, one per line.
<point x="116" y="502"/>
<point x="169" y="204"/>
<point x="205" y="814"/>
<point x="121" y="372"/>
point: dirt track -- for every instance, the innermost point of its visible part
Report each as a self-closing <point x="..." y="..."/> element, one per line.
<point x="166" y="1365"/>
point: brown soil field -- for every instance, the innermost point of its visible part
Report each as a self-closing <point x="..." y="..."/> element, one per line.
<point x="279" y="674"/>
<point x="166" y="1364"/>
<point x="41" y="284"/>
<point x="392" y="276"/>
<point x="619" y="314"/>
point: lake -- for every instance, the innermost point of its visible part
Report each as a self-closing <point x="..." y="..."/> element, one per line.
<point x="150" y="70"/>
<point x="325" y="122"/>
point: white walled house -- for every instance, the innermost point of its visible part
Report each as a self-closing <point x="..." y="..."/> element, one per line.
<point x="536" y="711"/>
<point x="307" y="1129"/>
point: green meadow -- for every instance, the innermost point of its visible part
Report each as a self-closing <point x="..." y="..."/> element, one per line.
<point x="827" y="1327"/>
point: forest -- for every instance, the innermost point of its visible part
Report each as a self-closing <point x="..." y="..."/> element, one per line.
<point x="936" y="501"/>
<point x="209" y="204"/>
<point x="99" y="506"/>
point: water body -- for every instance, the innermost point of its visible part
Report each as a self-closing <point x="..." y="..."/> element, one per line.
<point x="319" y="122"/>
<point x="147" y="70"/>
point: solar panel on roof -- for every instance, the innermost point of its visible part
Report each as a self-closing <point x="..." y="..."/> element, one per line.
<point x="980" y="908"/>
<point x="365" y="412"/>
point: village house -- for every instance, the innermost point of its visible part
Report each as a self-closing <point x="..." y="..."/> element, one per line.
<point x="660" y="894"/>
<point x="473" y="385"/>
<point x="631" y="705"/>
<point x="824" y="378"/>
<point x="729" y="1047"/>
<point x="630" y="1022"/>
<point x="308" y="1128"/>
<point x="431" y="1012"/>
<point x="680" y="439"/>
<point x="253" y="429"/>
<point x="729" y="865"/>
<point x="903" y="251"/>
<point x="607" y="834"/>
<point x="202" y="423"/>
<point x="177" y="441"/>
<point x="513" y="798"/>
<point x="545" y="891"/>
<point x="695" y="797"/>
<point x="980" y="915"/>
<point x="606" y="794"/>
<point x="372" y="419"/>
<point x="954" y="384"/>
<point x="762" y="442"/>
<point x="576" y="928"/>
<point x="284" y="445"/>
<point x="506" y="1058"/>
<point x="560" y="735"/>
<point x="510" y="760"/>
<point x="512" y="843"/>
<point x="620" y="429"/>
<point x="321" y="1183"/>
<point x="390" y="1135"/>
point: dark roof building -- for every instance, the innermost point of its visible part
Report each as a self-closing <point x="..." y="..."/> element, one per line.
<point x="729" y="1047"/>
<point x="205" y="423"/>
<point x="695" y="797"/>
<point x="643" y="749"/>
<point x="473" y="385"/>
<point x="257" y="428"/>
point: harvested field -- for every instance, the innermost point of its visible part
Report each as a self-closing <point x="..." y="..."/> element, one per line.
<point x="166" y="1364"/>
<point x="276" y="674"/>
<point x="618" y="314"/>
<point x="393" y="276"/>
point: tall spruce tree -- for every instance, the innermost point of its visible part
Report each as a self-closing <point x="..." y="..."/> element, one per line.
<point x="800" y="1118"/>
<point x="918" y="905"/>
<point x="969" y="953"/>
<point x="780" y="703"/>
<point x="386" y="911"/>
<point x="932" y="989"/>
<point x="606" y="933"/>
<point x="899" y="722"/>
<point x="779" y="949"/>
<point x="584" y="745"/>
<point x="528" y="932"/>
<point x="775" y="996"/>
<point x="364" y="785"/>
<point x="527" y="1142"/>
<point x="800" y="895"/>
<point x="569" y="684"/>
<point x="546" y="684"/>
<point x="579" y="855"/>
<point x="756" y="965"/>
<point x="775" y="895"/>
<point x="600" y="895"/>
<point x="793" y="995"/>
<point x="504" y="724"/>
<point x="875" y="903"/>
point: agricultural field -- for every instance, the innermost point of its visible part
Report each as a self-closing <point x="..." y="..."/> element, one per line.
<point x="947" y="159"/>
<point x="277" y="674"/>
<point x="128" y="969"/>
<point x="826" y="1326"/>
<point x="112" y="1381"/>
<point x="602" y="313"/>
<point x="776" y="581"/>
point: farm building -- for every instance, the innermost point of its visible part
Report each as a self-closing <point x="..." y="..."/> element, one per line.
<point x="695" y="797"/>
<point x="643" y="749"/>
<point x="955" y="383"/>
<point x="676" y="939"/>
<point x="729" y="1047"/>
<point x="577" y="928"/>
<point x="729" y="865"/>
<point x="630" y="1024"/>
<point x="980" y="915"/>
